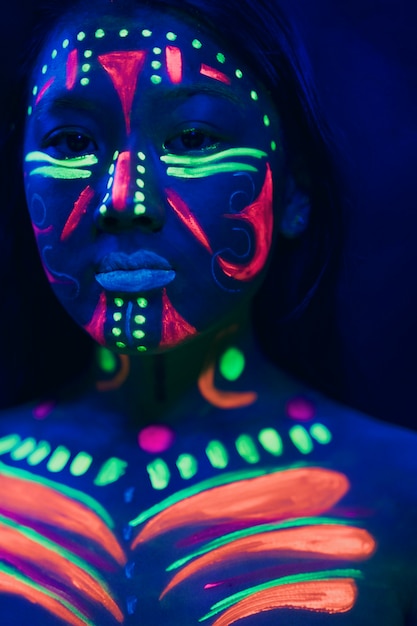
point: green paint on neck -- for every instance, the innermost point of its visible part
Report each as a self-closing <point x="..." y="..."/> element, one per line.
<point x="107" y="361"/>
<point x="232" y="364"/>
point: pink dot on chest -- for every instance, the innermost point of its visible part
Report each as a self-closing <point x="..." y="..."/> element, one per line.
<point x="155" y="438"/>
<point x="300" y="408"/>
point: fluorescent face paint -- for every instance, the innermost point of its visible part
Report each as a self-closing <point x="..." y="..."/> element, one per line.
<point x="80" y="209"/>
<point x="123" y="69"/>
<point x="204" y="187"/>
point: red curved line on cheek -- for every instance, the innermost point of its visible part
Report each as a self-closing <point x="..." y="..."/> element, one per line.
<point x="124" y="69"/>
<point x="182" y="211"/>
<point x="72" y="69"/>
<point x="44" y="89"/>
<point x="260" y="216"/>
<point x="174" y="327"/>
<point x="121" y="182"/>
<point x="80" y="208"/>
<point x="95" y="327"/>
<point x="174" y="64"/>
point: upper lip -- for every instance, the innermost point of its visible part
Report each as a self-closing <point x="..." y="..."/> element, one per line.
<point x="142" y="259"/>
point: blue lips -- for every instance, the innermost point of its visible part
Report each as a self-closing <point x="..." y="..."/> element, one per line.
<point x="135" y="281"/>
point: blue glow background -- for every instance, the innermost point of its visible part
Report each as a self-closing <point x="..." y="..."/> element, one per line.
<point x="364" y="55"/>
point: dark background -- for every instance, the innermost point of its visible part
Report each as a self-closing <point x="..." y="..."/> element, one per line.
<point x="364" y="56"/>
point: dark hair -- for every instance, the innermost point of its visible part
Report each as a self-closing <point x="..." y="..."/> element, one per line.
<point x="265" y="41"/>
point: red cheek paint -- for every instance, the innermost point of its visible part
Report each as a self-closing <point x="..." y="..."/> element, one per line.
<point x="72" y="69"/>
<point x="44" y="89"/>
<point x="260" y="216"/>
<point x="182" y="211"/>
<point x="174" y="327"/>
<point x="80" y="209"/>
<point x="95" y="327"/>
<point x="173" y="58"/>
<point x="124" y="69"/>
<point x="210" y="72"/>
<point x="121" y="182"/>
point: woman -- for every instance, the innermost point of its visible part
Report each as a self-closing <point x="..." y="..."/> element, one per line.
<point x="189" y="481"/>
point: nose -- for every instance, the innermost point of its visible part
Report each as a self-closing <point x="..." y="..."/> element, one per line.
<point x="128" y="203"/>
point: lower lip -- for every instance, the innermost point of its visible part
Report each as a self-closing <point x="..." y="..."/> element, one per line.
<point x="134" y="281"/>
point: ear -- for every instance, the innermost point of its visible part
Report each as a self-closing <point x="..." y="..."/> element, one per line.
<point x="296" y="211"/>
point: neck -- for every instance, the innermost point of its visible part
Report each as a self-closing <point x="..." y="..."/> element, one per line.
<point x="213" y="370"/>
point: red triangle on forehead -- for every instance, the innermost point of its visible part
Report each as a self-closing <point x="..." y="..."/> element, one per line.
<point x="124" y="69"/>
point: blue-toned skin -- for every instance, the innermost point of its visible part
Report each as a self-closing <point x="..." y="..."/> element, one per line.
<point x="379" y="462"/>
<point x="187" y="185"/>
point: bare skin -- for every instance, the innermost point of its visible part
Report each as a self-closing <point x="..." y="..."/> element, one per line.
<point x="362" y="477"/>
<point x="189" y="482"/>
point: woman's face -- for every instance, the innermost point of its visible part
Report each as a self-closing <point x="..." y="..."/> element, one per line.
<point x="151" y="157"/>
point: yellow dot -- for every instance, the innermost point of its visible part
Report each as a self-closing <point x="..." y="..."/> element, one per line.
<point x="117" y="317"/>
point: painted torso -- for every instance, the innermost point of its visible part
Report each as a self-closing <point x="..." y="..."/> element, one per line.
<point x="301" y="506"/>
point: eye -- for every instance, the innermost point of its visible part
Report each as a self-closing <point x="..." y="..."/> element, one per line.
<point x="192" y="140"/>
<point x="70" y="143"/>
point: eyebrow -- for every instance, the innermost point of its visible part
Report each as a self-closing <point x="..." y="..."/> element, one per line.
<point x="216" y="90"/>
<point x="64" y="102"/>
<point x="180" y="92"/>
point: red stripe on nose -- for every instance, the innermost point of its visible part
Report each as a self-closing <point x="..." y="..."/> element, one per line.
<point x="121" y="182"/>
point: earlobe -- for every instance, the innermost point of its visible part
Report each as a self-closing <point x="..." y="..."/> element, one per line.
<point x="296" y="212"/>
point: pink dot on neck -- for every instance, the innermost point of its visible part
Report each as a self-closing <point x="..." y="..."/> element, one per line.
<point x="42" y="411"/>
<point x="300" y="408"/>
<point x="155" y="438"/>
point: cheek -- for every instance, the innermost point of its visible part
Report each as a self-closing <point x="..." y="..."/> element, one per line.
<point x="234" y="225"/>
<point x="58" y="210"/>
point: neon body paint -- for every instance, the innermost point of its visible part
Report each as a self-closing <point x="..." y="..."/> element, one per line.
<point x="150" y="179"/>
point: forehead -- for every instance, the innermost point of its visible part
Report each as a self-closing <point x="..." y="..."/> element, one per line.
<point x="157" y="47"/>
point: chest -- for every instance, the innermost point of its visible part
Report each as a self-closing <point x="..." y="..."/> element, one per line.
<point x="208" y="530"/>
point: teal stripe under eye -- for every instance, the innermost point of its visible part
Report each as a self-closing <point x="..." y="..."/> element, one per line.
<point x="75" y="162"/>
<point x="50" y="171"/>
<point x="197" y="161"/>
<point x="209" y="170"/>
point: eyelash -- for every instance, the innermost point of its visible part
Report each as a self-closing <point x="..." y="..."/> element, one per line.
<point x="56" y="140"/>
<point x="198" y="136"/>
